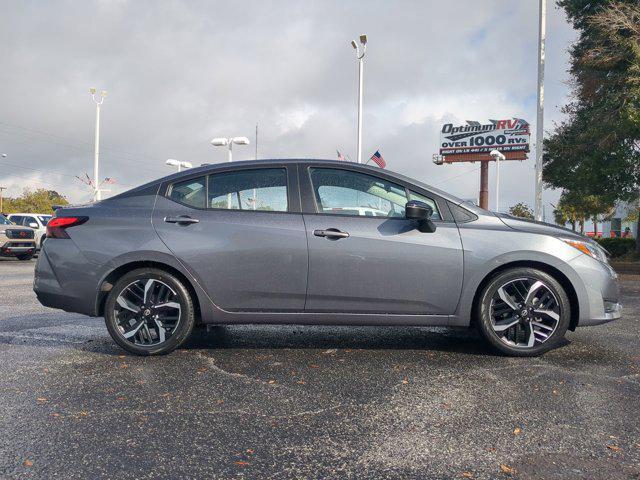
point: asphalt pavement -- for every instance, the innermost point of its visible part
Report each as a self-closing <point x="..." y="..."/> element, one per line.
<point x="312" y="402"/>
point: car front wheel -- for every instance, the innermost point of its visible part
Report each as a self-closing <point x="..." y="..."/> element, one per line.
<point x="149" y="312"/>
<point x="523" y="312"/>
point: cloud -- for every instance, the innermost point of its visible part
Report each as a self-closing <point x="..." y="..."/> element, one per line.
<point x="179" y="73"/>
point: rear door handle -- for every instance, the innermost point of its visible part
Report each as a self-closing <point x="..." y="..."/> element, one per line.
<point x="331" y="233"/>
<point x="181" y="220"/>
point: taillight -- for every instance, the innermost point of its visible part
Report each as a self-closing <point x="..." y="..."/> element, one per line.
<point x="57" y="226"/>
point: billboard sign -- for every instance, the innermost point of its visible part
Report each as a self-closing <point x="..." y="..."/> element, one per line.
<point x="510" y="135"/>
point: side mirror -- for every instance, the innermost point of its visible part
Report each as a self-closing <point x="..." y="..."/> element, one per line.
<point x="33" y="225"/>
<point x="421" y="212"/>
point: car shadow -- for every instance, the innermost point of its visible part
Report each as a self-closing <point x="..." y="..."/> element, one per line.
<point x="465" y="341"/>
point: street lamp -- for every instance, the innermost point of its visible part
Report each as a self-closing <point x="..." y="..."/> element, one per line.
<point x="177" y="163"/>
<point x="98" y="99"/>
<point x="498" y="157"/>
<point x="228" y="142"/>
<point x="360" y="52"/>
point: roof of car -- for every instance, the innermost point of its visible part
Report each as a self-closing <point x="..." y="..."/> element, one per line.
<point x="208" y="167"/>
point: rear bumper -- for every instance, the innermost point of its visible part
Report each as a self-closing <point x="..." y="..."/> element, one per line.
<point x="13" y="249"/>
<point x="69" y="287"/>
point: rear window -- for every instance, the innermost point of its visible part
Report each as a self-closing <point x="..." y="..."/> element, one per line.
<point x="192" y="192"/>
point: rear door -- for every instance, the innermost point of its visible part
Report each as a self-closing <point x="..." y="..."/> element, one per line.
<point x="240" y="231"/>
<point x="366" y="257"/>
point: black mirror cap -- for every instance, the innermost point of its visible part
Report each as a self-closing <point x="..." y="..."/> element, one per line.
<point x="417" y="210"/>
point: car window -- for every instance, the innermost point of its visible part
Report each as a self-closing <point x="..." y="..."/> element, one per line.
<point x="342" y="192"/>
<point x="191" y="192"/>
<point x="260" y="189"/>
<point x="5" y="221"/>
<point x="17" y="219"/>
<point x="28" y="220"/>
<point x="436" y="213"/>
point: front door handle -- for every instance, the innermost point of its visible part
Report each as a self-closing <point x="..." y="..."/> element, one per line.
<point x="331" y="233"/>
<point x="181" y="220"/>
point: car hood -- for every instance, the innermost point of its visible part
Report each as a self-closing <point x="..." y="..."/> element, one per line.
<point x="531" y="226"/>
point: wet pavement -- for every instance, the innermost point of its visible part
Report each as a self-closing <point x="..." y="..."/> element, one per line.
<point x="312" y="402"/>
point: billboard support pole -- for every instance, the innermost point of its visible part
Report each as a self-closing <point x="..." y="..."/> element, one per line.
<point x="540" y="116"/>
<point x="484" y="185"/>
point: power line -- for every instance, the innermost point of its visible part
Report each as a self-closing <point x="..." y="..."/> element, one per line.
<point x="456" y="176"/>
<point x="52" y="172"/>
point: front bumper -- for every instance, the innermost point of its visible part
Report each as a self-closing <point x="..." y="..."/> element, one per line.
<point x="599" y="301"/>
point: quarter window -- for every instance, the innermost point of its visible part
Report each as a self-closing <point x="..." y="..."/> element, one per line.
<point x="342" y="192"/>
<point x="261" y="189"/>
<point x="191" y="192"/>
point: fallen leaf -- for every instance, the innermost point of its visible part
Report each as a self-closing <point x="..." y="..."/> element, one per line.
<point x="41" y="399"/>
<point x="507" y="469"/>
<point x="27" y="463"/>
<point x="555" y="392"/>
<point x="202" y="370"/>
<point x="301" y="382"/>
<point x="405" y="381"/>
<point x="313" y="365"/>
<point x="330" y="351"/>
<point x="124" y="365"/>
<point x="55" y="414"/>
<point x="517" y="431"/>
<point x="120" y="398"/>
<point x="84" y="414"/>
<point x="165" y="395"/>
<point x="241" y="463"/>
<point x="271" y="382"/>
<point x="614" y="448"/>
<point x="249" y="451"/>
<point x="121" y="356"/>
<point x="220" y="402"/>
<point x="467" y="474"/>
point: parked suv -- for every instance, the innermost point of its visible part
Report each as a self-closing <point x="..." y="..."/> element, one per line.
<point x="36" y="221"/>
<point x="16" y="241"/>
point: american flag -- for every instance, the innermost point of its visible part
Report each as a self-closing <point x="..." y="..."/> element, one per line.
<point x="340" y="156"/>
<point x="109" y="181"/>
<point x="379" y="159"/>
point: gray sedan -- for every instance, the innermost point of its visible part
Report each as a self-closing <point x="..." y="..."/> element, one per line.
<point x="317" y="242"/>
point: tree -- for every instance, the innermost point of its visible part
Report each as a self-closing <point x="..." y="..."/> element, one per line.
<point x="521" y="210"/>
<point x="35" y="201"/>
<point x="595" y="153"/>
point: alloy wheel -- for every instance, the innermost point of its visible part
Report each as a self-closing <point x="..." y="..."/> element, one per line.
<point x="524" y="312"/>
<point x="147" y="312"/>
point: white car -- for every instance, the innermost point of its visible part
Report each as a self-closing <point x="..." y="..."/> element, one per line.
<point x="36" y="221"/>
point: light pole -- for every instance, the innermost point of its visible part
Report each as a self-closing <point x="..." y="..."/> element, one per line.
<point x="360" y="52"/>
<point x="2" y="155"/>
<point x="498" y="157"/>
<point x="540" y="117"/>
<point x="98" y="99"/>
<point x="177" y="163"/>
<point x="228" y="142"/>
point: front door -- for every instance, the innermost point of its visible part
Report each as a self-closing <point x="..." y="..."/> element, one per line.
<point x="365" y="257"/>
<point x="240" y="234"/>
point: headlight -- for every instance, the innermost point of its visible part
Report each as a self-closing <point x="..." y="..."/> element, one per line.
<point x="590" y="248"/>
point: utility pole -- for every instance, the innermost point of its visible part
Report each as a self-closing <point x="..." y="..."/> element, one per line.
<point x="256" y="157"/>
<point x="360" y="52"/>
<point x="540" y="117"/>
<point x="96" y="152"/>
<point x="1" y="190"/>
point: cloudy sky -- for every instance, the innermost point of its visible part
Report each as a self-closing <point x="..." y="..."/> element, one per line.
<point x="181" y="72"/>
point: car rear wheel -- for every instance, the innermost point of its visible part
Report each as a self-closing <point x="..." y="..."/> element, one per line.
<point x="523" y="312"/>
<point x="149" y="312"/>
<point x="25" y="256"/>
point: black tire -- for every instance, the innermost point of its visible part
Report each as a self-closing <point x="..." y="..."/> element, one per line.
<point x="184" y="324"/>
<point x="25" y="256"/>
<point x="486" y="325"/>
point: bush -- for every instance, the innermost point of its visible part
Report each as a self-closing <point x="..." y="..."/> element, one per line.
<point x="618" y="246"/>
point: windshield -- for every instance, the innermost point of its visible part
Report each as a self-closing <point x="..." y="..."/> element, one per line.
<point x="4" y="220"/>
<point x="44" y="219"/>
